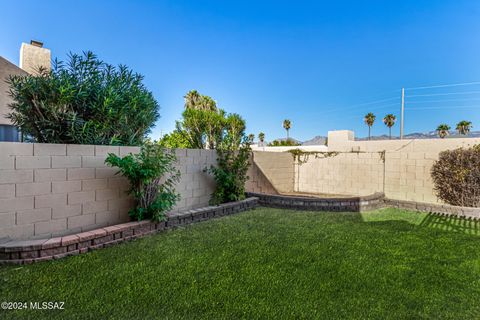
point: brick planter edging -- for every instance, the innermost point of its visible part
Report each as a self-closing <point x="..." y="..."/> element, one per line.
<point x="29" y="251"/>
<point x="355" y="204"/>
<point x="464" y="212"/>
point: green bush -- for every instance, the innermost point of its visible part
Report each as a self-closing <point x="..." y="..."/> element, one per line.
<point x="230" y="174"/>
<point x="456" y="176"/>
<point x="283" y="143"/>
<point x="83" y="101"/>
<point x="152" y="175"/>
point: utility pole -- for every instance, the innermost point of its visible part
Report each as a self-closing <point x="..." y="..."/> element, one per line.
<point x="403" y="111"/>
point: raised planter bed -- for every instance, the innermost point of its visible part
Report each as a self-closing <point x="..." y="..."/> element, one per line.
<point x="300" y="202"/>
<point x="29" y="251"/>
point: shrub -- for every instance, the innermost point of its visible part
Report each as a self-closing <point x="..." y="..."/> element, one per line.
<point x="84" y="101"/>
<point x="152" y="176"/>
<point x="283" y="143"/>
<point x="230" y="174"/>
<point x="456" y="176"/>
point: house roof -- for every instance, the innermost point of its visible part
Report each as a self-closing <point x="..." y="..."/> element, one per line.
<point x="6" y="69"/>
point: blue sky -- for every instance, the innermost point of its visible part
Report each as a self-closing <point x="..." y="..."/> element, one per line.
<point x="316" y="63"/>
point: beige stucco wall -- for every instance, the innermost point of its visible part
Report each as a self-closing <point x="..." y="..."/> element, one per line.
<point x="33" y="57"/>
<point x="56" y="189"/>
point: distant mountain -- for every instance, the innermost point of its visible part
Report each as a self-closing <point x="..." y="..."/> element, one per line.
<point x="318" y="140"/>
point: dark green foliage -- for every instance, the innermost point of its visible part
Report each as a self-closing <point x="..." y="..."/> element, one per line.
<point x="267" y="264"/>
<point x="84" y="101"/>
<point x="152" y="175"/>
<point x="230" y="174"/>
<point x="456" y="176"/>
<point x="283" y="143"/>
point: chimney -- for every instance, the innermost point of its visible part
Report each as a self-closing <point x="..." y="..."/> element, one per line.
<point x="34" y="56"/>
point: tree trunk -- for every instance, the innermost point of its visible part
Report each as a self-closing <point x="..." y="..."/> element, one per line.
<point x="368" y="132"/>
<point x="390" y="130"/>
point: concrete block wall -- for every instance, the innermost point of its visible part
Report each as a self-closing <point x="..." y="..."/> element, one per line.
<point x="56" y="189"/>
<point x="407" y="176"/>
<point x="342" y="174"/>
<point x="257" y="182"/>
<point x="277" y="168"/>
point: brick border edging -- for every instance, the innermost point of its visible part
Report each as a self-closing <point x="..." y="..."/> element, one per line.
<point x="29" y="251"/>
<point x="446" y="209"/>
<point x="351" y="204"/>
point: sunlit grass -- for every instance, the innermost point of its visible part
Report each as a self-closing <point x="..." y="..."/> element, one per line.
<point x="268" y="264"/>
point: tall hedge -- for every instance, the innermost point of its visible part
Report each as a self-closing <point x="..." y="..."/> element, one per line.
<point x="456" y="176"/>
<point x="83" y="101"/>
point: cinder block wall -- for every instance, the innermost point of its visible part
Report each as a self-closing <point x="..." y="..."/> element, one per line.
<point x="342" y="174"/>
<point x="276" y="167"/>
<point x="56" y="189"/>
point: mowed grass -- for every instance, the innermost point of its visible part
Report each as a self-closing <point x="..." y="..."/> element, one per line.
<point x="268" y="264"/>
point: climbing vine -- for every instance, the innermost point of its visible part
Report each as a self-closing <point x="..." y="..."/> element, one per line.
<point x="302" y="156"/>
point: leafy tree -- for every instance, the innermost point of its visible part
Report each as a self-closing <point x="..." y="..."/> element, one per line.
<point x="464" y="127"/>
<point x="173" y="140"/>
<point x="369" y="120"/>
<point x="287" y="124"/>
<point x="283" y="143"/>
<point x="230" y="174"/>
<point x="261" y="137"/>
<point x="443" y="130"/>
<point x="389" y="121"/>
<point x="152" y="175"/>
<point x="235" y="126"/>
<point x="83" y="101"/>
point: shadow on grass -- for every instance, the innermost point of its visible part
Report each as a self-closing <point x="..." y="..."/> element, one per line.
<point x="451" y="223"/>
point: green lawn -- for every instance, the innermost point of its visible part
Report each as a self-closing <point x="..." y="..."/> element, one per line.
<point x="269" y="263"/>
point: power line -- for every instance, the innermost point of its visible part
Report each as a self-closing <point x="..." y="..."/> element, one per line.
<point x="445" y="100"/>
<point x="442" y="94"/>
<point x="361" y="104"/>
<point x="444" y="107"/>
<point x="445" y="85"/>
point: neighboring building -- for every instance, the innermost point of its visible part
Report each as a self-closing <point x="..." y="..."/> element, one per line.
<point x="32" y="57"/>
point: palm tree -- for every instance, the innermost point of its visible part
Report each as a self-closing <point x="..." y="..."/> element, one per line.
<point x="192" y="99"/>
<point x="261" y="137"/>
<point x="389" y="121"/>
<point x="369" y="120"/>
<point x="443" y="130"/>
<point x="287" y="124"/>
<point x="251" y="137"/>
<point x="464" y="127"/>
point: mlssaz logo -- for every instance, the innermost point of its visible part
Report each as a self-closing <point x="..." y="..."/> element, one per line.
<point x="47" y="305"/>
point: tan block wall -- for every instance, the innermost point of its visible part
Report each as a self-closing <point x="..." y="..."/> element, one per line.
<point x="55" y="189"/>
<point x="343" y="140"/>
<point x="257" y="182"/>
<point x="277" y="168"/>
<point x="341" y="174"/>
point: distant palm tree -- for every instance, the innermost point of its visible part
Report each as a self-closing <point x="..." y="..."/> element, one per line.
<point x="261" y="137"/>
<point x="389" y="121"/>
<point x="251" y="137"/>
<point x="369" y="120"/>
<point x="287" y="124"/>
<point x="443" y="130"/>
<point x="464" y="127"/>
